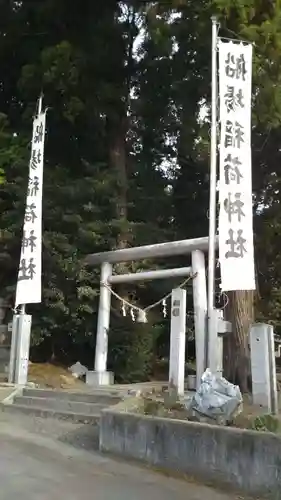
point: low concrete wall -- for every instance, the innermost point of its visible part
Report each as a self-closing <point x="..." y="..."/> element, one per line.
<point x="242" y="459"/>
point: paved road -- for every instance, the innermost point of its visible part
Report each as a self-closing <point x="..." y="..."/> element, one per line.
<point x="39" y="467"/>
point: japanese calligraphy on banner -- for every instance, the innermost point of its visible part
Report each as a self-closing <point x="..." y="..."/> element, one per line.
<point x="29" y="276"/>
<point x="236" y="246"/>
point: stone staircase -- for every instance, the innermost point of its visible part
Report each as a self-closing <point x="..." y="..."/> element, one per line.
<point x="66" y="405"/>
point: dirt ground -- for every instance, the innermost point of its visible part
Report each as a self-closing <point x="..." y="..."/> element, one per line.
<point x="52" y="376"/>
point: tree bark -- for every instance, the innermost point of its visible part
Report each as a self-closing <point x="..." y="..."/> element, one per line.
<point x="117" y="117"/>
<point x="118" y="163"/>
<point x="240" y="312"/>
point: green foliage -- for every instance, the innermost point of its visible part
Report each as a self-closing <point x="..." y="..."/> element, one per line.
<point x="131" y="349"/>
<point x="264" y="423"/>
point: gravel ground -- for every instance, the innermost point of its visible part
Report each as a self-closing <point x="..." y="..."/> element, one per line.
<point x="77" y="435"/>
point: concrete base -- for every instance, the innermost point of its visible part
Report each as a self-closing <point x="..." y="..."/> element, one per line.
<point x="96" y="379"/>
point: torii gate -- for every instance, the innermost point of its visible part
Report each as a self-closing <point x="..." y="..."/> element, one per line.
<point x="196" y="247"/>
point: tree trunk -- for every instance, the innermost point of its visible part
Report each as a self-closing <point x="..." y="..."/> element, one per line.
<point x="117" y="128"/>
<point x="240" y="312"/>
<point x="118" y="163"/>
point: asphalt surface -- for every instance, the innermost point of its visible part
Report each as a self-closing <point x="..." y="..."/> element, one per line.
<point x="44" y="459"/>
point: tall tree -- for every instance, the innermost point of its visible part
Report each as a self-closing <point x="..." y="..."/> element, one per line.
<point x="257" y="22"/>
<point x="87" y="73"/>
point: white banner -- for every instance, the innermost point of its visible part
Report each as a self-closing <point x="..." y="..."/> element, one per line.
<point x="29" y="276"/>
<point x="236" y="248"/>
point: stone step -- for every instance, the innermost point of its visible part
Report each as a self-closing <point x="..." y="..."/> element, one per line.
<point x="105" y="398"/>
<point x="43" y="412"/>
<point x="58" y="405"/>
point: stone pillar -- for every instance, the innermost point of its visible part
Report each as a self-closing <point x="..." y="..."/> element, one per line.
<point x="264" y="383"/>
<point x="22" y="351"/>
<point x="177" y="341"/>
<point x="5" y="341"/>
<point x="100" y="376"/>
<point x="14" y="346"/>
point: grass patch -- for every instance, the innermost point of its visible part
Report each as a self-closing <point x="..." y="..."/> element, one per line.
<point x="261" y="423"/>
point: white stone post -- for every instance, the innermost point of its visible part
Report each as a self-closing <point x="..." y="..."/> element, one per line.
<point x="264" y="384"/>
<point x="14" y="347"/>
<point x="177" y="340"/>
<point x="20" y="344"/>
<point x="101" y="376"/>
<point x="272" y="371"/>
<point x="214" y="348"/>
<point x="22" y="349"/>
<point x="223" y="323"/>
<point x="200" y="312"/>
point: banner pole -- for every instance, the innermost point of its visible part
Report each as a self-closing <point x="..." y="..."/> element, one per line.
<point x="213" y="180"/>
